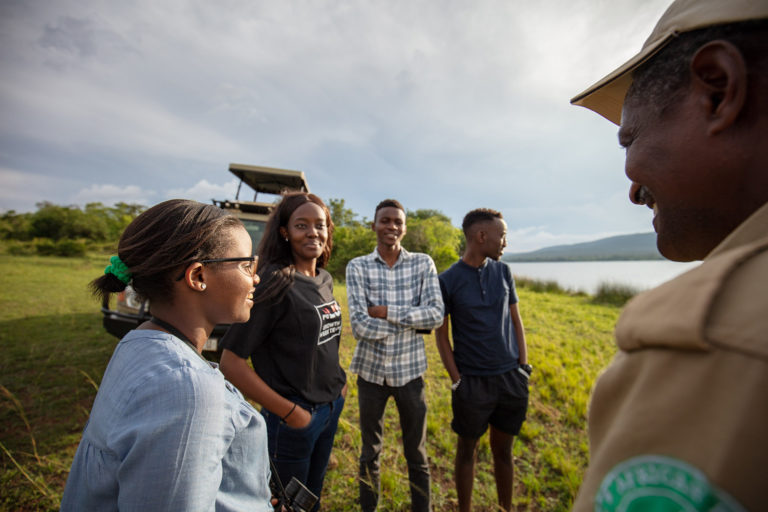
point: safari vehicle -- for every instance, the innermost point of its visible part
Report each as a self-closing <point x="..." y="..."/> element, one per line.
<point x="130" y="310"/>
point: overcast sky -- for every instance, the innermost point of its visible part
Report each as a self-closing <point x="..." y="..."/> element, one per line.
<point x="448" y="105"/>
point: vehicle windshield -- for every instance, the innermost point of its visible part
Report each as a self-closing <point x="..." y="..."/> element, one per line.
<point x="255" y="229"/>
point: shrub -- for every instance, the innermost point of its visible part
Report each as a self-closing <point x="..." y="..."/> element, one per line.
<point x="108" y="248"/>
<point x="70" y="248"/>
<point x="18" y="248"/>
<point x="538" y="285"/>
<point x="66" y="247"/>
<point x="614" y="294"/>
<point x="45" y="247"/>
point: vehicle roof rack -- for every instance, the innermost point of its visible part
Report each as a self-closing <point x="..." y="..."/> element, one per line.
<point x="244" y="206"/>
<point x="269" y="180"/>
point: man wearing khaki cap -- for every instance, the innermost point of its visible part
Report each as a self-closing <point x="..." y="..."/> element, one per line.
<point x="679" y="420"/>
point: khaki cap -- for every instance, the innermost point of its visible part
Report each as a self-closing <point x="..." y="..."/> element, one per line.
<point x="606" y="97"/>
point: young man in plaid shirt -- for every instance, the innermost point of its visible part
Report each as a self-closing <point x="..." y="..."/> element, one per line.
<point x="393" y="295"/>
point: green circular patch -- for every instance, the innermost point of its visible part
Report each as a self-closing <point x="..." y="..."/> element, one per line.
<point x="660" y="484"/>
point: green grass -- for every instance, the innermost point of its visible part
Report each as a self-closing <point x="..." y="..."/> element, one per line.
<point x="54" y="352"/>
<point x="53" y="349"/>
<point x="616" y="294"/>
<point x="540" y="285"/>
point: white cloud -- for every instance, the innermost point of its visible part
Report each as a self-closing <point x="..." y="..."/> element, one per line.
<point x="20" y="191"/>
<point x="111" y="194"/>
<point x="446" y="105"/>
<point x="204" y="191"/>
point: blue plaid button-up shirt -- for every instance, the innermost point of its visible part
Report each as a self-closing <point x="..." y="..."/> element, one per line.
<point x="391" y="351"/>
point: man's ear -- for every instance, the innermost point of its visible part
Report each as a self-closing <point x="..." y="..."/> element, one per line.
<point x="719" y="75"/>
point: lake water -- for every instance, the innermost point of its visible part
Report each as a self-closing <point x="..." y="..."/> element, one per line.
<point x="586" y="276"/>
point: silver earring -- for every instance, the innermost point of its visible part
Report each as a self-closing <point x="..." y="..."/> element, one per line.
<point x="286" y="239"/>
<point x="202" y="286"/>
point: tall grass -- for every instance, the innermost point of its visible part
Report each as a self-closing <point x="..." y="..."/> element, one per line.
<point x="607" y="293"/>
<point x="615" y="294"/>
<point x="51" y="343"/>
<point x="54" y="352"/>
<point x="540" y="285"/>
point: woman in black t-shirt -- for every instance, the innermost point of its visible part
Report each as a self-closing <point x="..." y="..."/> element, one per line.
<point x="292" y="339"/>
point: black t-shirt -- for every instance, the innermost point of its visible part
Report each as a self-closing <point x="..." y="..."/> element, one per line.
<point x="293" y="340"/>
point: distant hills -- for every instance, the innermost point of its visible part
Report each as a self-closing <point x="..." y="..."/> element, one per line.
<point x="640" y="246"/>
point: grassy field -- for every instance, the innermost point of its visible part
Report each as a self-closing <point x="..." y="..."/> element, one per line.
<point x="54" y="352"/>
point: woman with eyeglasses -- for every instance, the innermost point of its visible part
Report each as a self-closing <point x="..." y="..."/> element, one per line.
<point x="167" y="431"/>
<point x="292" y="339"/>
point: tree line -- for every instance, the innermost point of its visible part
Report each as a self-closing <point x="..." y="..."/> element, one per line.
<point x="65" y="230"/>
<point x="73" y="230"/>
<point x="428" y="231"/>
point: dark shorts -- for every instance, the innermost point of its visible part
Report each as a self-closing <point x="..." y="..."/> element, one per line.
<point x="498" y="400"/>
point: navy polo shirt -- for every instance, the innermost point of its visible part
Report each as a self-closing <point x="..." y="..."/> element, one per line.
<point x="478" y="300"/>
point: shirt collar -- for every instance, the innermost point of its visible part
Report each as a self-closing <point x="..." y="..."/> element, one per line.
<point x="470" y="267"/>
<point x="751" y="229"/>
<point x="403" y="256"/>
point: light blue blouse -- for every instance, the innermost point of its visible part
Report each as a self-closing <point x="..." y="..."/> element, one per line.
<point x="167" y="432"/>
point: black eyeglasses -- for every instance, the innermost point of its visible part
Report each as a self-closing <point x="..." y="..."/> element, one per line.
<point x="249" y="269"/>
<point x="252" y="259"/>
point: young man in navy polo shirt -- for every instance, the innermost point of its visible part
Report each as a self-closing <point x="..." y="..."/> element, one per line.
<point x="488" y="362"/>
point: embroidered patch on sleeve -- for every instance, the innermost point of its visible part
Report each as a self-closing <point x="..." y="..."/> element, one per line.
<point x="661" y="484"/>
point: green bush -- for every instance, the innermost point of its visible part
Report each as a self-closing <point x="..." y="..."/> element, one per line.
<point x="18" y="248"/>
<point x="431" y="232"/>
<point x="96" y="222"/>
<point x="45" y="247"/>
<point x="539" y="285"/>
<point x="70" y="248"/>
<point x="428" y="231"/>
<point x="108" y="248"/>
<point x="614" y="294"/>
<point x="66" y="247"/>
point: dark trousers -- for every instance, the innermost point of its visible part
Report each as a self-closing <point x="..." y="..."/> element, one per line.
<point x="412" y="408"/>
<point x="304" y="452"/>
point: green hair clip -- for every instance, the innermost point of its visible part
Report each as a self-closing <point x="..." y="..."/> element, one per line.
<point x="118" y="269"/>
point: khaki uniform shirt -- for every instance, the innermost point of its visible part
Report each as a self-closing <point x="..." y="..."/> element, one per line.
<point x="680" y="417"/>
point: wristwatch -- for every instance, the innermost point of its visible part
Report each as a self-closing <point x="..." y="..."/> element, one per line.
<point x="455" y="385"/>
<point x="525" y="369"/>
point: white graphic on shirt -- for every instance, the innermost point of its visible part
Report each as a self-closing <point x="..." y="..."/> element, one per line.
<point x="330" y="321"/>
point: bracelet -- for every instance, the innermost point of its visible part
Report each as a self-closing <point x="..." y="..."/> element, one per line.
<point x="289" y="412"/>
<point x="455" y="385"/>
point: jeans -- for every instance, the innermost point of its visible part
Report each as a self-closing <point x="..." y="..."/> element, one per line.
<point x="304" y="452"/>
<point x="412" y="407"/>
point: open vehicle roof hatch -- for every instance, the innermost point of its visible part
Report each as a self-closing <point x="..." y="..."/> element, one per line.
<point x="269" y="179"/>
